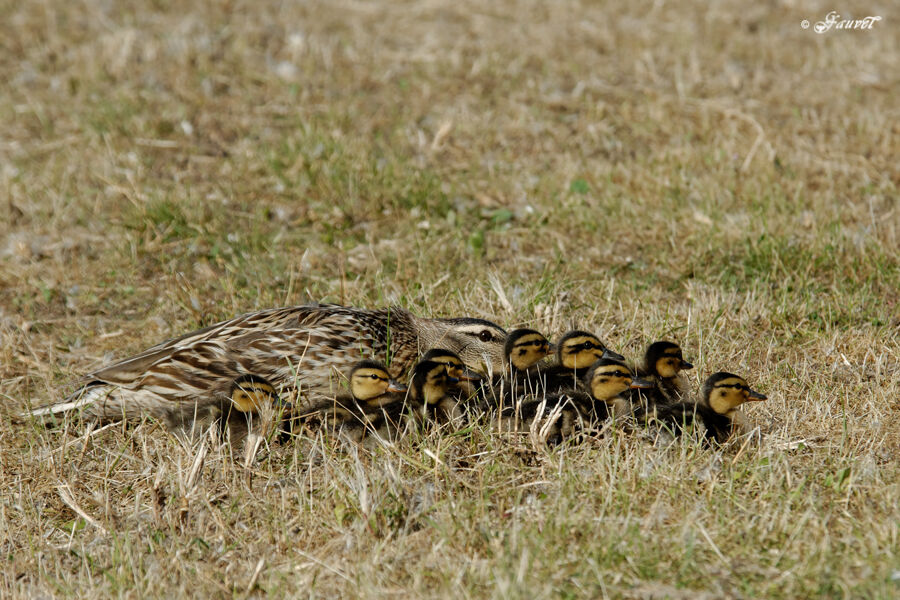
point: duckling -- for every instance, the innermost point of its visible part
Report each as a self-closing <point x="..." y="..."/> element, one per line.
<point x="611" y="382"/>
<point x="301" y="346"/>
<point x="469" y="381"/>
<point x="524" y="350"/>
<point x="576" y="352"/>
<point x="373" y="402"/>
<point x="663" y="363"/>
<point x="719" y="407"/>
<point x="254" y="406"/>
<point x="430" y="392"/>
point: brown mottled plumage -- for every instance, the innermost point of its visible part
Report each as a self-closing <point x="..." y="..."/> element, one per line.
<point x="310" y="347"/>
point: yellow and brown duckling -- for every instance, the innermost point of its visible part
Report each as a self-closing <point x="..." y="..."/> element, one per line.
<point x="469" y="382"/>
<point x="431" y="392"/>
<point x="299" y="346"/>
<point x="523" y="375"/>
<point x="373" y="402"/>
<point x="608" y="383"/>
<point x="576" y="351"/>
<point x="663" y="366"/>
<point x="611" y="383"/>
<point x="719" y="407"/>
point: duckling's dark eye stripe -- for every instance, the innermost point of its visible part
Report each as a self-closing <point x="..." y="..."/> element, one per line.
<point x="532" y="343"/>
<point x="616" y="374"/>
<point x="736" y="386"/>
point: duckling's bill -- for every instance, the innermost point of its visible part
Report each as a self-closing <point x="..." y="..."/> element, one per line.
<point x="638" y="383"/>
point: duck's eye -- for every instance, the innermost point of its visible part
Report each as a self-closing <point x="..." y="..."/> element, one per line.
<point x="485" y="336"/>
<point x="374" y="376"/>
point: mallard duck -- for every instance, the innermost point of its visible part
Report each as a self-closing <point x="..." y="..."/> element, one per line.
<point x="576" y="352"/>
<point x="305" y="347"/>
<point x="373" y="402"/>
<point x="430" y="392"/>
<point x="610" y="382"/>
<point x="663" y="364"/>
<point x="522" y="375"/>
<point x="469" y="381"/>
<point x="718" y="407"/>
<point x="607" y="383"/>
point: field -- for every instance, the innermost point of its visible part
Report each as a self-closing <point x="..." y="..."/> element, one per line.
<point x="718" y="176"/>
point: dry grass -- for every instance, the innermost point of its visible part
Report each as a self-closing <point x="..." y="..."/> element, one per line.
<point x="645" y="169"/>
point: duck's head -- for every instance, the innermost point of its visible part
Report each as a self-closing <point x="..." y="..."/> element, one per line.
<point x="609" y="378"/>
<point x="431" y="382"/>
<point x="580" y="349"/>
<point x="525" y="347"/>
<point x="665" y="359"/>
<point x="724" y="393"/>
<point x="370" y="381"/>
<point x="479" y="343"/>
<point x="455" y="365"/>
<point x="250" y="392"/>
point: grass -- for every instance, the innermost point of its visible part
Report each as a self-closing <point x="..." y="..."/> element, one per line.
<point x="718" y="176"/>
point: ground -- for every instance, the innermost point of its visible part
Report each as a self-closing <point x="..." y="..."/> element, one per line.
<point x="716" y="175"/>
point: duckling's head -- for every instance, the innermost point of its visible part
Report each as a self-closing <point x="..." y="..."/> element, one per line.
<point x="664" y="359"/>
<point x="478" y="343"/>
<point x="724" y="393"/>
<point x="250" y="392"/>
<point x="580" y="349"/>
<point x="525" y="347"/>
<point x="431" y="382"/>
<point x="455" y="365"/>
<point x="370" y="380"/>
<point x="608" y="378"/>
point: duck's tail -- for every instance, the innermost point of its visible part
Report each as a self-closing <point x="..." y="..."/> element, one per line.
<point x="82" y="400"/>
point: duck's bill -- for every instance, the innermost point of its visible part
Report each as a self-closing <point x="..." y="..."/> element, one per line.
<point x="396" y="387"/>
<point x="686" y="365"/>
<point x="754" y="395"/>
<point x="468" y="375"/>
<point x="452" y="380"/>
<point x="641" y="384"/>
<point x="607" y="353"/>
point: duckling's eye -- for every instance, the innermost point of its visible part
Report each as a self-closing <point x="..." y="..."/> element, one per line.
<point x="485" y="336"/>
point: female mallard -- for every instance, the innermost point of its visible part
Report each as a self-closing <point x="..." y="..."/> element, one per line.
<point x="307" y="347"/>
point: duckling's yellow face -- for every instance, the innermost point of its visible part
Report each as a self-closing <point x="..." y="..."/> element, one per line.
<point x="251" y="394"/>
<point x="525" y="351"/>
<point x="455" y="367"/>
<point x="728" y="393"/>
<point x="580" y="351"/>
<point x="432" y="386"/>
<point x="369" y="383"/>
<point x="610" y="381"/>
<point x="671" y="362"/>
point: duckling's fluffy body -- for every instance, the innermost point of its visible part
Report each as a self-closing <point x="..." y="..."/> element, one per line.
<point x="303" y="347"/>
